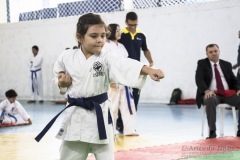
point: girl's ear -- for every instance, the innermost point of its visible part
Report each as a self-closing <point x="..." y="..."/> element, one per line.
<point x="79" y="38"/>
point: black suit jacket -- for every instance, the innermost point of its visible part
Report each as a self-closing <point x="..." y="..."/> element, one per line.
<point x="204" y="77"/>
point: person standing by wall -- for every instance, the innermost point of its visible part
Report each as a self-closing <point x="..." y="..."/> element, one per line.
<point x="36" y="76"/>
<point x="134" y="41"/>
<point x="120" y="95"/>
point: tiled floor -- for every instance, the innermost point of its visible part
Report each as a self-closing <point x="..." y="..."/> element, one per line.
<point x="157" y="124"/>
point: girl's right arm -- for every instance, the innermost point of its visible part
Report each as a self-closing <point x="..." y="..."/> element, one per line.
<point x="155" y="74"/>
<point x="62" y="78"/>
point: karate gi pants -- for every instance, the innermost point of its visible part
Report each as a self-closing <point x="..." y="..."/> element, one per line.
<point x="37" y="86"/>
<point x="8" y="120"/>
<point x="78" y="150"/>
<point x="119" y="101"/>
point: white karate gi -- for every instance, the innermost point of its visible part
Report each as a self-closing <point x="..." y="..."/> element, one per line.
<point x="36" y="77"/>
<point x="118" y="95"/>
<point x="13" y="109"/>
<point x="91" y="77"/>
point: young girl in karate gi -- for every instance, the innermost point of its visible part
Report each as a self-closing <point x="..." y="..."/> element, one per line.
<point x="121" y="96"/>
<point x="85" y="74"/>
<point x="10" y="107"/>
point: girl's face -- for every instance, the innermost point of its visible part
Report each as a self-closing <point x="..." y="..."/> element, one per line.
<point x="93" y="41"/>
<point x="118" y="33"/>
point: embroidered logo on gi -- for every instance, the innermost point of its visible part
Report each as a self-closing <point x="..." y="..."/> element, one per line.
<point x="98" y="68"/>
<point x="60" y="133"/>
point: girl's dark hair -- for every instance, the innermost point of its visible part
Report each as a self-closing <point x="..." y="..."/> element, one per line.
<point x="35" y="47"/>
<point x="87" y="20"/>
<point x="11" y="93"/>
<point x="112" y="27"/>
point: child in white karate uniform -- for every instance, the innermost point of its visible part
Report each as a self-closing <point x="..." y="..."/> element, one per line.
<point x="85" y="74"/>
<point x="36" y="62"/>
<point x="121" y="96"/>
<point x="10" y="107"/>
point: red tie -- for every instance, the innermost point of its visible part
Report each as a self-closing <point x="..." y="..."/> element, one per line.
<point x="220" y="87"/>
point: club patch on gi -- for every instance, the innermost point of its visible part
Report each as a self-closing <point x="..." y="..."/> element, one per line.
<point x="98" y="68"/>
<point x="60" y="132"/>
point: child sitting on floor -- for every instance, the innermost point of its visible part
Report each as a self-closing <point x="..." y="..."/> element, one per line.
<point x="10" y="107"/>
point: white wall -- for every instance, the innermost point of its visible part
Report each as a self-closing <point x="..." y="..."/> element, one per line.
<point x="3" y="13"/>
<point x="176" y="36"/>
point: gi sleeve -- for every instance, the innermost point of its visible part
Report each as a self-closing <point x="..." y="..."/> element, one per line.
<point x="59" y="66"/>
<point x="3" y="105"/>
<point x="21" y="111"/>
<point x="125" y="71"/>
<point x="37" y="63"/>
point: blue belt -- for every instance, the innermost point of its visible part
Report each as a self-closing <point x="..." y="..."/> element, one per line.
<point x="88" y="103"/>
<point x="2" y="114"/>
<point x="9" y="115"/>
<point x="34" y="73"/>
<point x="128" y="95"/>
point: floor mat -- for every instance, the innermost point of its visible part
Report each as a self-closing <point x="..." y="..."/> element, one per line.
<point x="181" y="150"/>
<point x="60" y="101"/>
<point x="15" y="124"/>
<point x="234" y="155"/>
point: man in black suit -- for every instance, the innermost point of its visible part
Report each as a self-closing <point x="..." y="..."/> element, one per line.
<point x="208" y="90"/>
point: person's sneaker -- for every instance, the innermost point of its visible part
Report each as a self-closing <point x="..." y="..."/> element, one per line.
<point x="41" y="101"/>
<point x="238" y="133"/>
<point x="31" y="101"/>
